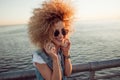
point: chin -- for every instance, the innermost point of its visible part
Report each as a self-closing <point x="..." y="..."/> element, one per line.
<point x="59" y="43"/>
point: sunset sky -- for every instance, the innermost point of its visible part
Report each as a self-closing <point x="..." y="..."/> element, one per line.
<point x="19" y="11"/>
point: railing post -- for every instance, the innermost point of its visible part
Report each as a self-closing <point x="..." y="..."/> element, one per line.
<point x="92" y="75"/>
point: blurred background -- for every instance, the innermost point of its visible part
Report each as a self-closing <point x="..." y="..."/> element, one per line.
<point x="96" y="35"/>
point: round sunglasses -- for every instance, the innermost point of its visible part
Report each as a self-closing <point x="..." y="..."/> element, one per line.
<point x="63" y="32"/>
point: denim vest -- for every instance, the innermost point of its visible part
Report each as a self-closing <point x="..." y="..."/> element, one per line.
<point x="49" y="62"/>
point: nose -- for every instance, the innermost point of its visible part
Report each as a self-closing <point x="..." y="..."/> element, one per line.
<point x="61" y="35"/>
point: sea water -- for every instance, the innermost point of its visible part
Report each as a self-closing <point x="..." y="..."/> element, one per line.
<point x="90" y="41"/>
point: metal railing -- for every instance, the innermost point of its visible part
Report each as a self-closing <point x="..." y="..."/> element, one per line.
<point x="92" y="67"/>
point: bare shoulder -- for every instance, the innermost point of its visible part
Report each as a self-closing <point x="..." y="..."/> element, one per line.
<point x="44" y="70"/>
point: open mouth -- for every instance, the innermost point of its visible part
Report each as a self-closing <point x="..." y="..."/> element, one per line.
<point x="60" y="40"/>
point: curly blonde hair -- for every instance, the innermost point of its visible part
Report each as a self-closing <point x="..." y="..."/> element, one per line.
<point x="41" y="25"/>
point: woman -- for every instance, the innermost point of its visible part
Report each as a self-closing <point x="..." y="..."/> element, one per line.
<point x="49" y="29"/>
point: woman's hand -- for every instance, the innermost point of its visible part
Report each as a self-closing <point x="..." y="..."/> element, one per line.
<point x="65" y="47"/>
<point x="50" y="50"/>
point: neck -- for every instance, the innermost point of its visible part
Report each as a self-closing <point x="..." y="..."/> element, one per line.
<point x="57" y="48"/>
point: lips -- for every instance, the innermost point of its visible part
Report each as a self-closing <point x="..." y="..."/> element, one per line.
<point x="60" y="40"/>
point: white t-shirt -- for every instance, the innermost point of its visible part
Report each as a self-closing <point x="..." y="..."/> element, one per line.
<point x="38" y="59"/>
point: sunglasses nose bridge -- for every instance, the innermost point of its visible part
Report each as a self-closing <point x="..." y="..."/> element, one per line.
<point x="60" y="33"/>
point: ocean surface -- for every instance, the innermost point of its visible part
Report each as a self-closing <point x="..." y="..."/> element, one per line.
<point x="91" y="41"/>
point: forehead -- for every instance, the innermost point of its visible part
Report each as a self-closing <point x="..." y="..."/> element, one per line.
<point x="59" y="25"/>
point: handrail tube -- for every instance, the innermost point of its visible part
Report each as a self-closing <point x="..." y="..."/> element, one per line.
<point x="18" y="75"/>
<point x="95" y="66"/>
<point x="105" y="64"/>
<point x="80" y="68"/>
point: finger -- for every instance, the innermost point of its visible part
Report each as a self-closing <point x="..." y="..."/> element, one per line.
<point x="66" y="43"/>
<point x="53" y="50"/>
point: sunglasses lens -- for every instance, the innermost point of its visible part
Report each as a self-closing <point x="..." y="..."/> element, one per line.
<point x="56" y="33"/>
<point x="64" y="32"/>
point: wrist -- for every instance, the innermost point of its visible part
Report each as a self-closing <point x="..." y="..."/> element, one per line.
<point x="66" y="53"/>
<point x="67" y="57"/>
<point x="55" y="58"/>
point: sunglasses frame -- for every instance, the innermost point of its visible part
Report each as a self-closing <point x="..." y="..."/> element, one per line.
<point x="63" y="31"/>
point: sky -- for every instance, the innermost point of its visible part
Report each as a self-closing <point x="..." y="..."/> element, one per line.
<point x="19" y="11"/>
